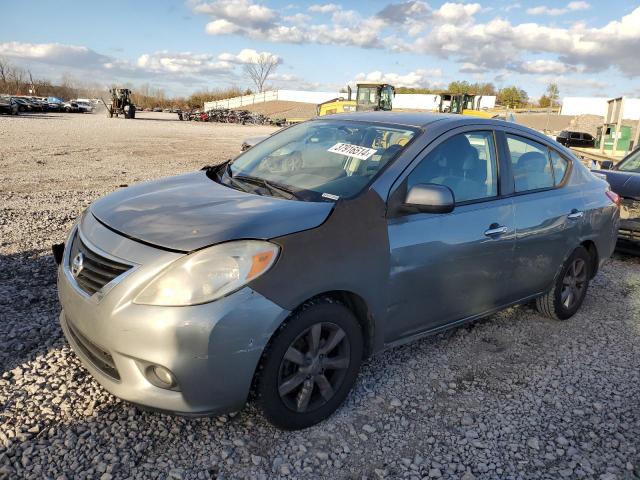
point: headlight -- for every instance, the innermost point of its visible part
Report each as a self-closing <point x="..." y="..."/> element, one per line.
<point x="209" y="274"/>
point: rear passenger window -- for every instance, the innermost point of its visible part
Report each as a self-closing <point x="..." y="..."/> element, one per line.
<point x="559" y="165"/>
<point x="466" y="163"/>
<point x="530" y="161"/>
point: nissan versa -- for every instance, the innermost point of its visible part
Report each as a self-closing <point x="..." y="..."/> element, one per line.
<point x="273" y="275"/>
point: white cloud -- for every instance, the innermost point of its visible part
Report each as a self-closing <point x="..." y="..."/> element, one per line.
<point x="419" y="78"/>
<point x="247" y="55"/>
<point x="324" y="8"/>
<point x="182" y="63"/>
<point x="546" y="67"/>
<point x="590" y="49"/>
<point x="221" y="27"/>
<point x="451" y="31"/>
<point x="240" y="12"/>
<point x="570" y="7"/>
<point x="456" y="13"/>
<point x="53" y="53"/>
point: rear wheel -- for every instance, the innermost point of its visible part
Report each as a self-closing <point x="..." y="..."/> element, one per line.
<point x="310" y="366"/>
<point x="570" y="287"/>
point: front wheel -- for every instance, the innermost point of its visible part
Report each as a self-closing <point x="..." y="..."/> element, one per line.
<point x="310" y="365"/>
<point x="569" y="289"/>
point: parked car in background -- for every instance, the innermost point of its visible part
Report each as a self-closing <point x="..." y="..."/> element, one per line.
<point x="575" y="139"/>
<point x="278" y="272"/>
<point x="33" y="104"/>
<point x="55" y="104"/>
<point x="23" y="105"/>
<point x="71" y="107"/>
<point x="157" y="109"/>
<point x="84" y="106"/>
<point x="624" y="179"/>
<point x="8" y="105"/>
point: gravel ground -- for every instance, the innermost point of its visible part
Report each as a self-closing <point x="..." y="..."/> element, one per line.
<point x="513" y="396"/>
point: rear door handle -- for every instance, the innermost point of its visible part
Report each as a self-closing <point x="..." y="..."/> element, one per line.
<point x="495" y="230"/>
<point x="575" y="214"/>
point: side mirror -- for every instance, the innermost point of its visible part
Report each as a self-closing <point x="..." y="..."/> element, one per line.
<point x="429" y="198"/>
<point x="606" y="165"/>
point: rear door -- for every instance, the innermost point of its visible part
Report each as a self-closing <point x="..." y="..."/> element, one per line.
<point x="549" y="211"/>
<point x="447" y="267"/>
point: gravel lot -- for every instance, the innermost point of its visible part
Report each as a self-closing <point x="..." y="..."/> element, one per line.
<point x="513" y="396"/>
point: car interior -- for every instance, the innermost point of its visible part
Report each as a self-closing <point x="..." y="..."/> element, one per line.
<point x="460" y="165"/>
<point x="307" y="163"/>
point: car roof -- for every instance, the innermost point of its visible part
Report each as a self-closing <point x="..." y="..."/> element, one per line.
<point x="423" y="119"/>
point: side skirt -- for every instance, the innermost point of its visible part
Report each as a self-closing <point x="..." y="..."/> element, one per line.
<point x="455" y="323"/>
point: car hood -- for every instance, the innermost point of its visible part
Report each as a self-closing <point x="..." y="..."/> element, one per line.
<point x="191" y="211"/>
<point x="625" y="184"/>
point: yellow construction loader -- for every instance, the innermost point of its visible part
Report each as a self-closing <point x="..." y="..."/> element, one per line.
<point x="369" y="96"/>
<point x="462" y="104"/>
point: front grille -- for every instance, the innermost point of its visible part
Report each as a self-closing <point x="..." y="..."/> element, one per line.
<point x="96" y="271"/>
<point x="98" y="356"/>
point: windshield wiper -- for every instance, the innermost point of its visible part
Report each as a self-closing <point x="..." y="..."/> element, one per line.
<point x="282" y="191"/>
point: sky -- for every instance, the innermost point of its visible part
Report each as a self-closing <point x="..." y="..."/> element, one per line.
<point x="587" y="47"/>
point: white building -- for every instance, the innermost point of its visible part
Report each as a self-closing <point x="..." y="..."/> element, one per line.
<point x="598" y="106"/>
<point x="402" y="101"/>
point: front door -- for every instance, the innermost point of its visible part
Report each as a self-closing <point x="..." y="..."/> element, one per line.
<point x="447" y="267"/>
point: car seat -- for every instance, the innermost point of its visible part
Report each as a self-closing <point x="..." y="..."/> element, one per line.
<point x="530" y="172"/>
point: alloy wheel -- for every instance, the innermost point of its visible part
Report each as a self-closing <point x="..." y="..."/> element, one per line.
<point x="573" y="283"/>
<point x="314" y="367"/>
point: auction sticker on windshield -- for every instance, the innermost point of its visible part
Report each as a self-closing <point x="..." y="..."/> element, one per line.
<point x="352" y="150"/>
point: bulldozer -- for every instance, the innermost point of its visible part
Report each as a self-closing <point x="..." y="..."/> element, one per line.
<point x="121" y="103"/>
<point x="369" y="96"/>
<point x="462" y="104"/>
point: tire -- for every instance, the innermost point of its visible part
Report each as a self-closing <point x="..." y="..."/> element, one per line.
<point x="317" y="388"/>
<point x="569" y="289"/>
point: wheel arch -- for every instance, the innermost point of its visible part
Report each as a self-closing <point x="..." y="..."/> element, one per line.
<point x="354" y="302"/>
<point x="592" y="249"/>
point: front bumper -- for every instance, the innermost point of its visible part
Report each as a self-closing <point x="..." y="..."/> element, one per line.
<point x="211" y="349"/>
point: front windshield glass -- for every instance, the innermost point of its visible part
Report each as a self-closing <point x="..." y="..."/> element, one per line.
<point x="321" y="159"/>
<point x="631" y="164"/>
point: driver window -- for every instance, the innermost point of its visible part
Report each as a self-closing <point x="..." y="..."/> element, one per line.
<point x="466" y="163"/>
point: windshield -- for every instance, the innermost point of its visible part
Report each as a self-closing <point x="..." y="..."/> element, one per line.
<point x="632" y="163"/>
<point x="322" y="159"/>
<point x="368" y="95"/>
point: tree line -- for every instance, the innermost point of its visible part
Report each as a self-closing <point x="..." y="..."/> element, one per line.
<point x="512" y="97"/>
<point x="15" y="80"/>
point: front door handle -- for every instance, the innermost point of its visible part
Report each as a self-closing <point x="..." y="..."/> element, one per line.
<point x="495" y="229"/>
<point x="575" y="214"/>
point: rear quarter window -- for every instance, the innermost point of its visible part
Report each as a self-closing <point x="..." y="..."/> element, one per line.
<point x="560" y="167"/>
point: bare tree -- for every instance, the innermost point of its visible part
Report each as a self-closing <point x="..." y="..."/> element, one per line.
<point x="16" y="75"/>
<point x="4" y="71"/>
<point x="261" y="69"/>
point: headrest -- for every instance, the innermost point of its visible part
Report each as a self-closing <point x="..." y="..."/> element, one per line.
<point x="532" y="161"/>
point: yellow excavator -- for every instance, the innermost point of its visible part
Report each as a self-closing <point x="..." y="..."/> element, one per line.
<point x="462" y="104"/>
<point x="369" y="96"/>
<point x="379" y="96"/>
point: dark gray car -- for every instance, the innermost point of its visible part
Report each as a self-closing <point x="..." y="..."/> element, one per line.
<point x="275" y="274"/>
